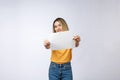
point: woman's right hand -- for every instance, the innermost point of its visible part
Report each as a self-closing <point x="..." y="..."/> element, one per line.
<point x="47" y="44"/>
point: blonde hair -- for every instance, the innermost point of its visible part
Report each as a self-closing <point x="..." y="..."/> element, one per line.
<point x="63" y="22"/>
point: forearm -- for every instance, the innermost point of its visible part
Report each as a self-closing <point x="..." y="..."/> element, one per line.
<point x="76" y="44"/>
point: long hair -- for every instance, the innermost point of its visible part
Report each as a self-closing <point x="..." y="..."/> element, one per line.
<point x="63" y="22"/>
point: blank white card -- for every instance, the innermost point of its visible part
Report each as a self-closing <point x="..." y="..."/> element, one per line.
<point x="61" y="40"/>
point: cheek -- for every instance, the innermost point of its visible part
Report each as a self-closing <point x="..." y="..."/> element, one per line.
<point x="61" y="27"/>
<point x="55" y="29"/>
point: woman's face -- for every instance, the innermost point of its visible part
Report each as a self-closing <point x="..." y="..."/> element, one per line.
<point x="58" y="26"/>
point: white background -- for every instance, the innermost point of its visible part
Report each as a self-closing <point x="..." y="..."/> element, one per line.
<point x="24" y="24"/>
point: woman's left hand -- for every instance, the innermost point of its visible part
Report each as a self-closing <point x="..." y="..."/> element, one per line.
<point x="77" y="40"/>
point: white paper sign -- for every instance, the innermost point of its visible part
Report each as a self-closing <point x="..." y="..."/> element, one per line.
<point x="61" y="40"/>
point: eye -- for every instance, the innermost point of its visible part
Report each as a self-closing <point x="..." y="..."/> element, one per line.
<point x="55" y="26"/>
<point x="59" y="25"/>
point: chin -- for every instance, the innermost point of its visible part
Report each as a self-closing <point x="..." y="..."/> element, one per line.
<point x="59" y="31"/>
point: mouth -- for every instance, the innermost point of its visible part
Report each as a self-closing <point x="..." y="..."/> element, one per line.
<point x="59" y="30"/>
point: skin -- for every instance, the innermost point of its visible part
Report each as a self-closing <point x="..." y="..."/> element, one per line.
<point x="58" y="28"/>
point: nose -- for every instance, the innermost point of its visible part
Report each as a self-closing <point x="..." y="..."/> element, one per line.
<point x="58" y="29"/>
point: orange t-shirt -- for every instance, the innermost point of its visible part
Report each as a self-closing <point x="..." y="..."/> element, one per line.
<point x="61" y="56"/>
